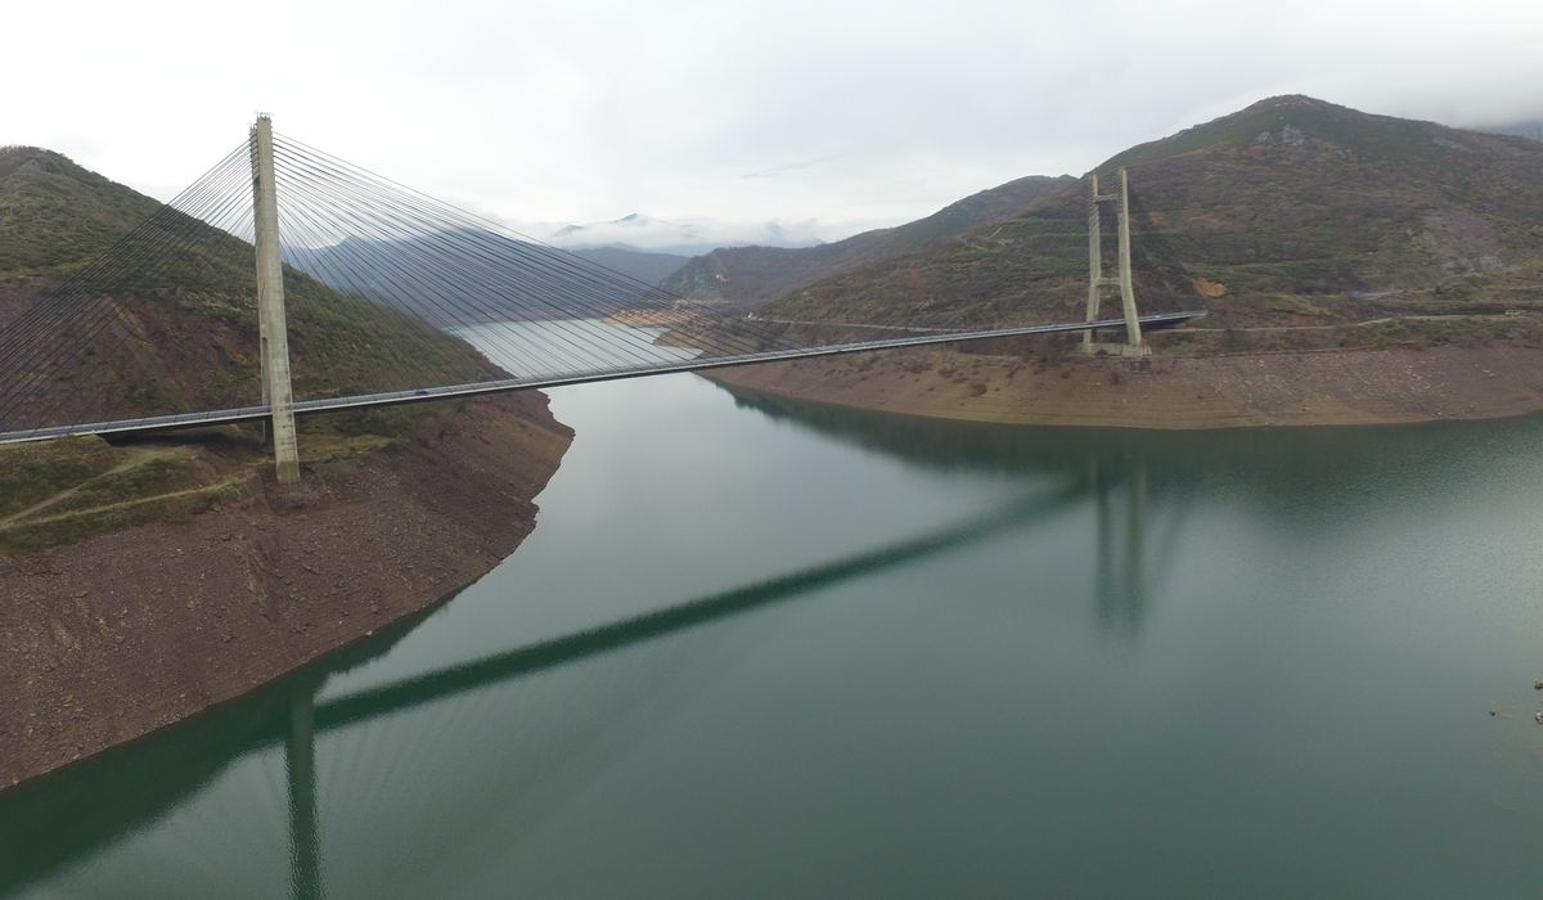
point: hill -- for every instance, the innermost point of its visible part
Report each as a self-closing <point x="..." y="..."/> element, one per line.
<point x="374" y="268"/>
<point x="150" y="578"/>
<point x="645" y="266"/>
<point x="1292" y="210"/>
<point x="181" y="335"/>
<point x="754" y="275"/>
<point x="55" y="215"/>
<point x="184" y="326"/>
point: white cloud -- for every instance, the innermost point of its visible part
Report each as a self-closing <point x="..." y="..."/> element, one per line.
<point x="865" y="112"/>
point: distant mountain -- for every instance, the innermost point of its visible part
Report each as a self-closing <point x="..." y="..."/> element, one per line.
<point x="1532" y="130"/>
<point x="647" y="233"/>
<point x="452" y="277"/>
<point x="754" y="275"/>
<point x="647" y="267"/>
<point x="1291" y="207"/>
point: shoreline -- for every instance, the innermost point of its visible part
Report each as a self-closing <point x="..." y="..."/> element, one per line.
<point x="1272" y="389"/>
<point x="117" y="637"/>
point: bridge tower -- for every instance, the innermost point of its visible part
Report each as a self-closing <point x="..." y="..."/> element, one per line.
<point x="273" y="334"/>
<point x="1097" y="281"/>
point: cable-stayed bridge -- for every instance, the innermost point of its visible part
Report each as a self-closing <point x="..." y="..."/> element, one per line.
<point x="364" y="294"/>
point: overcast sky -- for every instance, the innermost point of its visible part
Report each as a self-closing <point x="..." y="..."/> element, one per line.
<point x="840" y="114"/>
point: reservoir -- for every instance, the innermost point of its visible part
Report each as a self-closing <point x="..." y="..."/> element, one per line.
<point x="756" y="648"/>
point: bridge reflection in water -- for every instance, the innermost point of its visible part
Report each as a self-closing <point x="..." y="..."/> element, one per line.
<point x="105" y="800"/>
<point x="294" y="717"/>
<point x="1120" y="597"/>
<point x="1127" y="566"/>
<point x="1127" y="497"/>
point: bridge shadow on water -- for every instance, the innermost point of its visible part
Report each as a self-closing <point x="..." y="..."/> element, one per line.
<point x="1138" y="489"/>
<point x="90" y="806"/>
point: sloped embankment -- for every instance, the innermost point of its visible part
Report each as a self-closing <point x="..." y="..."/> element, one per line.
<point x="110" y="637"/>
<point x="1368" y="386"/>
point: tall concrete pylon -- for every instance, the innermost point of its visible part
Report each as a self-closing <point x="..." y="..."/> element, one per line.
<point x="273" y="333"/>
<point x="1097" y="281"/>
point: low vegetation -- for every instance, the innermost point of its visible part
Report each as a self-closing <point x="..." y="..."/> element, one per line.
<point x="186" y="339"/>
<point x="31" y="473"/>
<point x="58" y="492"/>
<point x="1290" y="212"/>
<point x="750" y="276"/>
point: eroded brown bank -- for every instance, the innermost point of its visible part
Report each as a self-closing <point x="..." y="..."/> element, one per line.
<point x="107" y="640"/>
<point x="1339" y="387"/>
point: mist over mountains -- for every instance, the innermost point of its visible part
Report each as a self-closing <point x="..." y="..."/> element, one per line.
<point x="756" y="262"/>
<point x="638" y="231"/>
<point x="1292" y="196"/>
<point x="1532" y="129"/>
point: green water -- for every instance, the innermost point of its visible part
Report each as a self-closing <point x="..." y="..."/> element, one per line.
<point x="759" y="649"/>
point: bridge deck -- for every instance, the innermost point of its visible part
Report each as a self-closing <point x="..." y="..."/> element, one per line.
<point x="421" y="395"/>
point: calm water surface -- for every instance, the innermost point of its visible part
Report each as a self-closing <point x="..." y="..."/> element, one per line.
<point x="763" y="649"/>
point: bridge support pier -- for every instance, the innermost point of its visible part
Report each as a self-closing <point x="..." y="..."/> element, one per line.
<point x="1097" y="281"/>
<point x="273" y="334"/>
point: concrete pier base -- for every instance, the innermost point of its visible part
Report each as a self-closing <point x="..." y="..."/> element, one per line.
<point x="1115" y="348"/>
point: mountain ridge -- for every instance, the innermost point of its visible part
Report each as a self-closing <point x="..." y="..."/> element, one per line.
<point x="1291" y="202"/>
<point x="754" y="275"/>
<point x="648" y="266"/>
